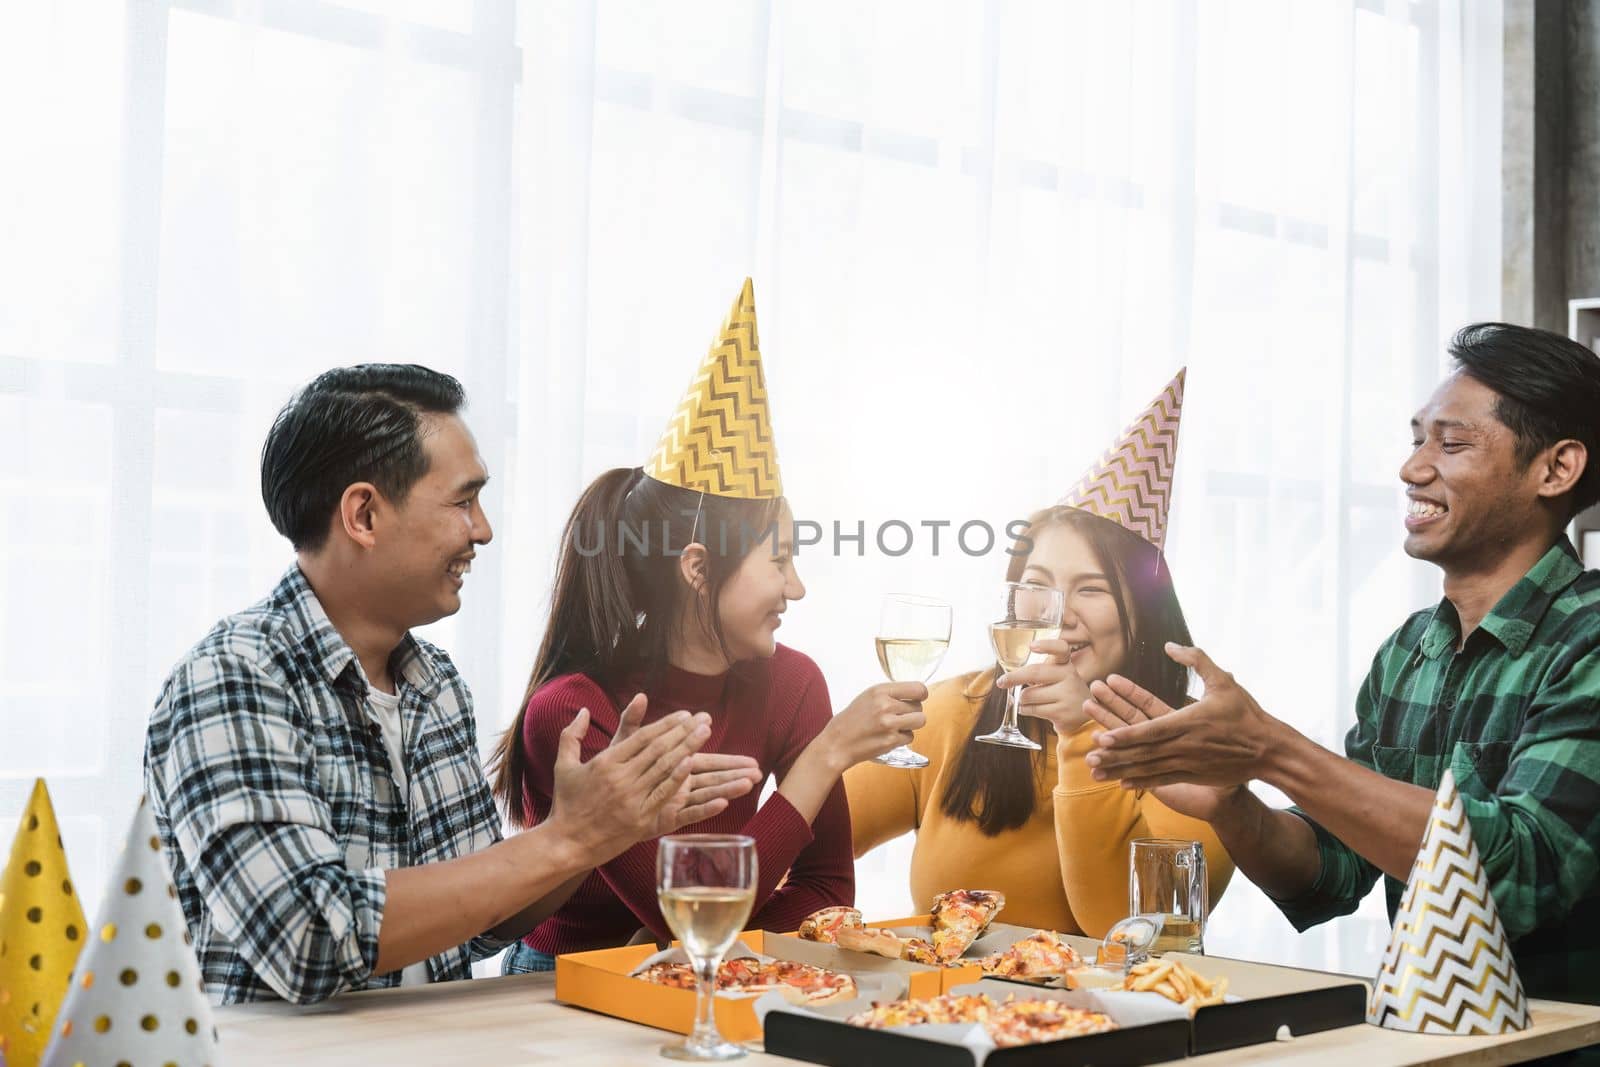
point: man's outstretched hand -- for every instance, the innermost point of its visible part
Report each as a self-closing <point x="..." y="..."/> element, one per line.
<point x="1194" y="758"/>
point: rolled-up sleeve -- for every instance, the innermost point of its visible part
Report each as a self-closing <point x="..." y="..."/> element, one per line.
<point x="239" y="784"/>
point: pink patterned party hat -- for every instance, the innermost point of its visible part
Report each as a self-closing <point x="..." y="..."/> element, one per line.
<point x="1132" y="483"/>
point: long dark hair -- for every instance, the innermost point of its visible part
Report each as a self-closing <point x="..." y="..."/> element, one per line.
<point x="618" y="594"/>
<point x="985" y="787"/>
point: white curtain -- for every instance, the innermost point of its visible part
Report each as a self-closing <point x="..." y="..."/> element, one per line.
<point x="983" y="235"/>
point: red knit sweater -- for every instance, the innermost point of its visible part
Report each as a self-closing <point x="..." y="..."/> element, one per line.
<point x="769" y="710"/>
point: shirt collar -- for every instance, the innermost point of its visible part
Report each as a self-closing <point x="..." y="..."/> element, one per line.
<point x="330" y="654"/>
<point x="1514" y="618"/>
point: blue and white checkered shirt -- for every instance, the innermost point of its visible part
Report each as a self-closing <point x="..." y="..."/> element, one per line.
<point x="278" y="810"/>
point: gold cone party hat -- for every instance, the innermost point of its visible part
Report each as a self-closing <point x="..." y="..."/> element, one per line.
<point x="1132" y="483"/>
<point x="720" y="439"/>
<point x="137" y="996"/>
<point x="42" y="930"/>
<point x="1448" y="968"/>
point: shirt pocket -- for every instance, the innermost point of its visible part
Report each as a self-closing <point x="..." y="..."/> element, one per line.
<point x="1485" y="760"/>
<point x="1395" y="763"/>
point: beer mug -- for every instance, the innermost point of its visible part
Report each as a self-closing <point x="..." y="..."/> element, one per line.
<point x="1167" y="883"/>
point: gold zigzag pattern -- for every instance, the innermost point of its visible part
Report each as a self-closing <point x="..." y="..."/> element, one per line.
<point x="1449" y="955"/>
<point x="720" y="441"/>
<point x="1449" y="967"/>
<point x="1131" y="484"/>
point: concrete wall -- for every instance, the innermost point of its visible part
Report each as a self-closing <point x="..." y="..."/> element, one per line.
<point x="1582" y="25"/>
<point x="1550" y="132"/>
<point x="1551" y="159"/>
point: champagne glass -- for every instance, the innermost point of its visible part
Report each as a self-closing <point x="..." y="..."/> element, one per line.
<point x="913" y="633"/>
<point x="706" y="884"/>
<point x="1032" y="613"/>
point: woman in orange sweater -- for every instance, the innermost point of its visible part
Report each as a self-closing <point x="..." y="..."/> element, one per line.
<point x="1034" y="825"/>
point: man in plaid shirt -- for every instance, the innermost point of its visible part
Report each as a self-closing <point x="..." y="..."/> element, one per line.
<point x="314" y="767"/>
<point x="1499" y="682"/>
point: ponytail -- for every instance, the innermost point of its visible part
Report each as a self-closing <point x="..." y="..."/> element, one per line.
<point x="590" y="607"/>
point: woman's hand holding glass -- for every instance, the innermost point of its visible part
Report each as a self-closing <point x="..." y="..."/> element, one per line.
<point x="1031" y="612"/>
<point x="880" y="719"/>
<point x="1053" y="692"/>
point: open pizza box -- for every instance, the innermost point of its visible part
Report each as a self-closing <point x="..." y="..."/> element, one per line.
<point x="603" y="980"/>
<point x="1265" y="1003"/>
<point x="1149" y="1030"/>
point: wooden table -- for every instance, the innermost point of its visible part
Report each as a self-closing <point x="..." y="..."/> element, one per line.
<point x="505" y="1021"/>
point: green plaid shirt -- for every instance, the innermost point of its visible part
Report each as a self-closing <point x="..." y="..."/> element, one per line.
<point x="1516" y="715"/>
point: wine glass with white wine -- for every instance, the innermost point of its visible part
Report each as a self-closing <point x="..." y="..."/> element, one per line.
<point x="706" y="885"/>
<point x="913" y="634"/>
<point x="1032" y="613"/>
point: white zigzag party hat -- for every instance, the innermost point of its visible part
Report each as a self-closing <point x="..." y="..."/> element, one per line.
<point x="1448" y="968"/>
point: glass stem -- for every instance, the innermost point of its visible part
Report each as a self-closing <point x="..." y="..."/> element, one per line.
<point x="1013" y="707"/>
<point x="705" y="1033"/>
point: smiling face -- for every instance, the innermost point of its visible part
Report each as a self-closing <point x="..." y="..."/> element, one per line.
<point x="425" y="549"/>
<point x="1468" y="498"/>
<point x="751" y="603"/>
<point x="1062" y="557"/>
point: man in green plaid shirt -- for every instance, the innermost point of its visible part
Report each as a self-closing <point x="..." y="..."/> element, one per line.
<point x="1499" y="682"/>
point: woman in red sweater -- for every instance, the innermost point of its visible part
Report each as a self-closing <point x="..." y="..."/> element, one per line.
<point x="672" y="583"/>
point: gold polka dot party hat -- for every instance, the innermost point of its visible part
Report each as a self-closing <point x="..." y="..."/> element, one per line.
<point x="136" y="996"/>
<point x="720" y="439"/>
<point x="42" y="930"/>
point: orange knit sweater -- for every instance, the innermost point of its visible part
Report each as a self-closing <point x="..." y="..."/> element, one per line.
<point x="1065" y="870"/>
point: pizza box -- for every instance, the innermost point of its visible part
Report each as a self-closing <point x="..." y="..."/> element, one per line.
<point x="1272" y="1003"/>
<point x="602" y="980"/>
<point x="1151" y="1030"/>
<point x="1265" y="1002"/>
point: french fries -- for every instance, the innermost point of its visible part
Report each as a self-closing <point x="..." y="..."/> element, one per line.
<point x="1171" y="979"/>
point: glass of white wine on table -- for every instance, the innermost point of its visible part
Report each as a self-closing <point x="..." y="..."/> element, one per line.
<point x="706" y="885"/>
<point x="1032" y="612"/>
<point x="913" y="634"/>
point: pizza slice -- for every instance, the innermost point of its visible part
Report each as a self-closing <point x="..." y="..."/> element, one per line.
<point x="1041" y="954"/>
<point x="949" y="1008"/>
<point x="888" y="945"/>
<point x="807" y="984"/>
<point x="959" y="916"/>
<point x="919" y="950"/>
<point x="871" y="939"/>
<point x="824" y="925"/>
<point x="799" y="982"/>
<point x="1028" y="1022"/>
<point x="672" y="975"/>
